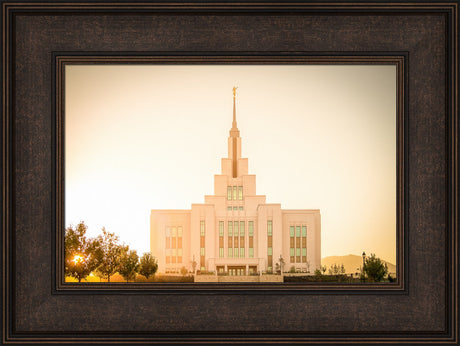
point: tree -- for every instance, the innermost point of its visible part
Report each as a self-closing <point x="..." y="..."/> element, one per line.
<point x="317" y="273"/>
<point x="183" y="271"/>
<point x="323" y="269"/>
<point x="193" y="262"/>
<point x="334" y="269"/>
<point x="375" y="268"/>
<point x="129" y="265"/>
<point x="282" y="263"/>
<point x="108" y="254"/>
<point x="79" y="252"/>
<point x="148" y="265"/>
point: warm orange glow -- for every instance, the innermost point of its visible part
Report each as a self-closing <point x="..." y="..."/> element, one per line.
<point x="152" y="137"/>
<point x="78" y="259"/>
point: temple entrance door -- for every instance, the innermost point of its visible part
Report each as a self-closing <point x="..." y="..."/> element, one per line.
<point x="236" y="270"/>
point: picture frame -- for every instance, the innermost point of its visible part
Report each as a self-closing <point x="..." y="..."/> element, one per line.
<point x="39" y="38"/>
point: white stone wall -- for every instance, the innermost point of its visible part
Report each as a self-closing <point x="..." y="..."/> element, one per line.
<point x="255" y="209"/>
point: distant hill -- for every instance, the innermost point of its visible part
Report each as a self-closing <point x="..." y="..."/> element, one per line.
<point x="351" y="263"/>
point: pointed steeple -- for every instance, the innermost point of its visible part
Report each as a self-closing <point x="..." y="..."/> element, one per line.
<point x="234" y="140"/>
<point x="234" y="132"/>
<point x="233" y="166"/>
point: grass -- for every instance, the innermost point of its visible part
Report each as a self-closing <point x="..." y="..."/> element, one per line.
<point x="139" y="278"/>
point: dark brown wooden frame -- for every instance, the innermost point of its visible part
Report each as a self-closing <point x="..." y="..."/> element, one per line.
<point x="39" y="38"/>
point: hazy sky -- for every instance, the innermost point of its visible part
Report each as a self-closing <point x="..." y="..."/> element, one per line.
<point x="151" y="137"/>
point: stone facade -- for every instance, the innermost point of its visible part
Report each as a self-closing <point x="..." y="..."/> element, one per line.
<point x="235" y="232"/>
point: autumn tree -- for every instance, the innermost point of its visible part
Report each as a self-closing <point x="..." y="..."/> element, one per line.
<point x="108" y="254"/>
<point x="79" y="252"/>
<point x="375" y="268"/>
<point x="129" y="265"/>
<point x="148" y="265"/>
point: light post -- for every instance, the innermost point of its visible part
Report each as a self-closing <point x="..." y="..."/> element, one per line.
<point x="364" y="262"/>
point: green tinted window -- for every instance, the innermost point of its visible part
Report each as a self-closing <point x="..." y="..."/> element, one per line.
<point x="221" y="228"/>
<point x="202" y="228"/>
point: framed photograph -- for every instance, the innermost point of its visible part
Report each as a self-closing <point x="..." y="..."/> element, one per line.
<point x="236" y="236"/>
<point x="150" y="123"/>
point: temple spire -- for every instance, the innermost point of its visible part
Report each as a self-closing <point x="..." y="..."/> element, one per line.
<point x="234" y="108"/>
<point x="234" y="132"/>
<point x="234" y="140"/>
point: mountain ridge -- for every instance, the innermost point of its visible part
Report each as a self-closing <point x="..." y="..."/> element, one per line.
<point x="352" y="263"/>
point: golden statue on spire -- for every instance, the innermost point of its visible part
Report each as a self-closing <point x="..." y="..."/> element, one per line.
<point x="234" y="91"/>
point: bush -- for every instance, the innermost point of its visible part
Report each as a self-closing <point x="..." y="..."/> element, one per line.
<point x="323" y="278"/>
<point x="183" y="271"/>
<point x="204" y="272"/>
<point x="375" y="268"/>
<point x="317" y="272"/>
